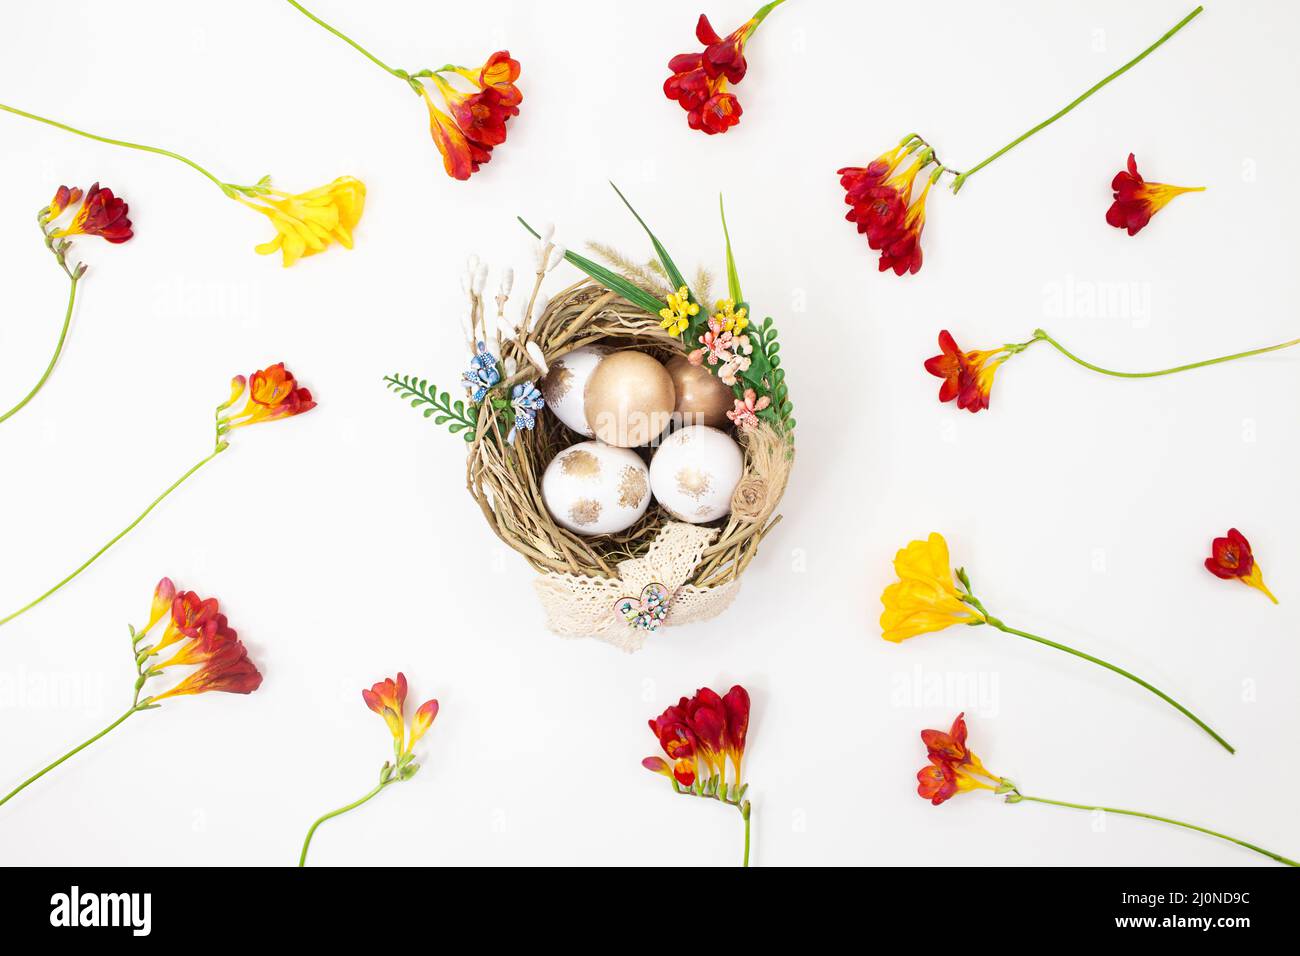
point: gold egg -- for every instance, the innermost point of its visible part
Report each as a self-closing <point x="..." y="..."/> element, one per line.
<point x="629" y="399"/>
<point x="701" y="398"/>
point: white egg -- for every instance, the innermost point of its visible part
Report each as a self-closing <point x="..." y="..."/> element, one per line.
<point x="566" y="384"/>
<point x="593" y="488"/>
<point x="694" y="473"/>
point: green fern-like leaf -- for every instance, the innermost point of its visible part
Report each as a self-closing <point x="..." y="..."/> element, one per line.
<point x="457" y="416"/>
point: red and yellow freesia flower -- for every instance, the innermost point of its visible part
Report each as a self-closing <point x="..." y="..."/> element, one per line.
<point x="700" y="735"/>
<point x="208" y="644"/>
<point x="387" y="698"/>
<point x="699" y="81"/>
<point x="1231" y="557"/>
<point x="953" y="768"/>
<point x="273" y="393"/>
<point x="967" y="376"/>
<point x="477" y="120"/>
<point x="883" y="205"/>
<point x="1136" y="200"/>
<point x="101" y="214"/>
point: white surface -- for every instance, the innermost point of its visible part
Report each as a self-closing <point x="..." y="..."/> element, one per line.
<point x="343" y="545"/>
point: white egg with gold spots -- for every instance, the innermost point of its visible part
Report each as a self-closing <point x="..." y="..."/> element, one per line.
<point x="694" y="473"/>
<point x="565" y="386"/>
<point x="593" y="488"/>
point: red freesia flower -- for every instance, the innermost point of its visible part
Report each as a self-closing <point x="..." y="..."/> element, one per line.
<point x="1137" y="200"/>
<point x="478" y="120"/>
<point x="953" y="768"/>
<point x="967" y="376"/>
<point x="704" y="727"/>
<point x="101" y="214"/>
<point x="881" y="205"/>
<point x="1231" y="557"/>
<point x="699" y="80"/>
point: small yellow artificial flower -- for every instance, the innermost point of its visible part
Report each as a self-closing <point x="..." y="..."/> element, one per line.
<point x="733" y="320"/>
<point x="925" y="597"/>
<point x="306" y="223"/>
<point x="677" y="316"/>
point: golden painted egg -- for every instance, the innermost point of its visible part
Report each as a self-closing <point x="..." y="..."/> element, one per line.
<point x="629" y="399"/>
<point x="701" y="398"/>
<point x="694" y="473"/>
<point x="565" y="386"/>
<point x="593" y="488"/>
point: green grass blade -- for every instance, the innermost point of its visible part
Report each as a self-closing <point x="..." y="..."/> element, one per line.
<point x="674" y="274"/>
<point x="610" y="280"/>
<point x="733" y="278"/>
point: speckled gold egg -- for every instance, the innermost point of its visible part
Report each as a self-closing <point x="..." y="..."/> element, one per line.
<point x="593" y="488"/>
<point x="694" y="473"/>
<point x="629" y="399"/>
<point x="565" y="386"/>
<point x="701" y="398"/>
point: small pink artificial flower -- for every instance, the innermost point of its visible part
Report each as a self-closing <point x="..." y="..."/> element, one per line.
<point x="744" y="415"/>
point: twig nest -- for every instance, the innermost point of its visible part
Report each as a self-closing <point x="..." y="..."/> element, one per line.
<point x="629" y="399"/>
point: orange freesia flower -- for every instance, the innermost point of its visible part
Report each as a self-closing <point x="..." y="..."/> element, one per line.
<point x="498" y="74"/>
<point x="478" y="120"/>
<point x="192" y="617"/>
<point x="1137" y="200"/>
<point x="699" y="80"/>
<point x="924" y="598"/>
<point x="273" y="393"/>
<point x="101" y="214"/>
<point x="388" y="699"/>
<point x="1231" y="557"/>
<point x="953" y="769"/>
<point x="967" y="376"/>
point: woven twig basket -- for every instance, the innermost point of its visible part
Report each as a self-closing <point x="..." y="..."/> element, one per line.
<point x="505" y="478"/>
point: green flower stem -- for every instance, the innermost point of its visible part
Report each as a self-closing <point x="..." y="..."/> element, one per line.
<point x="962" y="177"/>
<point x="302" y="859"/>
<point x="1041" y="336"/>
<point x="1118" y="670"/>
<point x="221" y="446"/>
<point x="58" y="350"/>
<point x="1017" y="797"/>
<point x="118" y="142"/>
<point x="721" y="795"/>
<point x="758" y="17"/>
<point x="73" y="752"/>
<point x="400" y="74"/>
<point x="745" y="812"/>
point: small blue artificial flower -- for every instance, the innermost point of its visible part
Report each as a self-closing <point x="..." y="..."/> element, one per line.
<point x="527" y="401"/>
<point x="482" y="374"/>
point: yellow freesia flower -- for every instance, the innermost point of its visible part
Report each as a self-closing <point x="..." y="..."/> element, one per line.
<point x="677" y="316"/>
<point x="306" y="223"/>
<point x="925" y="597"/>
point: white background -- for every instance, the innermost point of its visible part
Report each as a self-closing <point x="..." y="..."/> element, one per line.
<point x="344" y="547"/>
